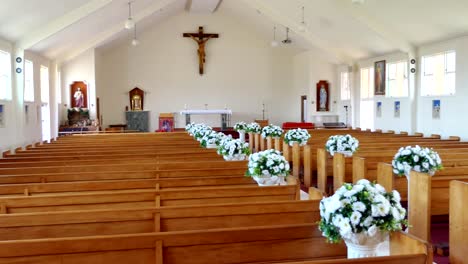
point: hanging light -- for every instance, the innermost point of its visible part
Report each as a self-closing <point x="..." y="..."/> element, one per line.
<point x="135" y="41"/>
<point x="129" y="23"/>
<point x="302" y="25"/>
<point x="274" y="43"/>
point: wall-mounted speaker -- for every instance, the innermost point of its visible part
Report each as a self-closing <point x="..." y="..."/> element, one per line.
<point x="19" y="70"/>
<point x="413" y="70"/>
<point x="413" y="61"/>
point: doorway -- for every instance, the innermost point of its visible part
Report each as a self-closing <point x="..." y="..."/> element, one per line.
<point x="303" y="108"/>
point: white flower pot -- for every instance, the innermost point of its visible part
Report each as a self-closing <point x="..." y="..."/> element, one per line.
<point x="346" y="153"/>
<point x="242" y="135"/>
<point x="270" y="180"/>
<point x="362" y="246"/>
<point x="236" y="157"/>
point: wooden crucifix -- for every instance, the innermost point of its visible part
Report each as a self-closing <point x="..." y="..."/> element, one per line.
<point x="201" y="38"/>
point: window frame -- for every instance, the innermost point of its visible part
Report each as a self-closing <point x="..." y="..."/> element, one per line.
<point x="423" y="74"/>
<point x="370" y="80"/>
<point x="405" y="78"/>
<point x="348" y="84"/>
<point x="26" y="100"/>
<point x="8" y="73"/>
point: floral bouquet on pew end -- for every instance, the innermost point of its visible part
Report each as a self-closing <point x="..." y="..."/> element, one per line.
<point x="233" y="149"/>
<point x="253" y="128"/>
<point x="272" y="131"/>
<point x="362" y="215"/>
<point x="297" y="135"/>
<point x="416" y="158"/>
<point x="211" y="139"/>
<point x="240" y="126"/>
<point x="189" y="128"/>
<point x="345" y="144"/>
<point x="200" y="130"/>
<point x="268" y="168"/>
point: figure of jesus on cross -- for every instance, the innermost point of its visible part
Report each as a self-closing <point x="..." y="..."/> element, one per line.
<point x="201" y="38"/>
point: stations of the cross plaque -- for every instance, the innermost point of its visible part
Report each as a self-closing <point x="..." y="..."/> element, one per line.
<point x="201" y="38"/>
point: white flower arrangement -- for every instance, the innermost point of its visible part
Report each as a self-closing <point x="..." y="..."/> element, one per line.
<point x="189" y="127"/>
<point x="267" y="163"/>
<point x="360" y="212"/>
<point x="211" y="138"/>
<point x="272" y="131"/>
<point x="297" y="135"/>
<point x="233" y="149"/>
<point x="253" y="128"/>
<point x="198" y="131"/>
<point x="416" y="158"/>
<point x="342" y="144"/>
<point x="240" y="126"/>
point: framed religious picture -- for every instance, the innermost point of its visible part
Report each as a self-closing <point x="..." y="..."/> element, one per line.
<point x="79" y="95"/>
<point x="397" y="109"/>
<point x="435" y="109"/>
<point x="379" y="109"/>
<point x="379" y="77"/>
<point x="166" y="122"/>
<point x="323" y="96"/>
<point x="136" y="99"/>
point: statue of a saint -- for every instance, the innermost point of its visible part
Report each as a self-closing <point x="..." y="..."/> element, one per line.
<point x="79" y="98"/>
<point x="323" y="98"/>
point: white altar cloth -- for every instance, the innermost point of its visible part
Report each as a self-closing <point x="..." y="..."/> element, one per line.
<point x="206" y="112"/>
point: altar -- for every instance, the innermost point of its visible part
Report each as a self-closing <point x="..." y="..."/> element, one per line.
<point x="224" y="113"/>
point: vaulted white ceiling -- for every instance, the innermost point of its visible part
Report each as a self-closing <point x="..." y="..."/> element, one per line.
<point x="62" y="29"/>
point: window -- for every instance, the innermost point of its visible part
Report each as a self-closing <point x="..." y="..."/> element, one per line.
<point x="58" y="89"/>
<point x="438" y="74"/>
<point x="366" y="110"/>
<point x="5" y="75"/>
<point x="345" y="86"/>
<point x="44" y="84"/>
<point x="397" y="79"/>
<point x="28" y="81"/>
<point x="367" y="83"/>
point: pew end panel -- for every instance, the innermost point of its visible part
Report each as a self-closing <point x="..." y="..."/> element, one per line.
<point x="458" y="222"/>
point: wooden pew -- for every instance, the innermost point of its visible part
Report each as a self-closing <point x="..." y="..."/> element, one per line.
<point x="31" y="189"/>
<point x="156" y="219"/>
<point x="432" y="195"/>
<point x="235" y="245"/>
<point x="118" y="199"/>
<point x="123" y="166"/>
<point x="458" y="222"/>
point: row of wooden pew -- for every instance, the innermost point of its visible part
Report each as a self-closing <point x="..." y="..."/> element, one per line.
<point x="371" y="162"/>
<point x="158" y="198"/>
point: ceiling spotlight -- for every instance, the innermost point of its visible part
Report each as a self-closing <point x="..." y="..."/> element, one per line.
<point x="129" y="23"/>
<point x="274" y="43"/>
<point x="302" y="25"/>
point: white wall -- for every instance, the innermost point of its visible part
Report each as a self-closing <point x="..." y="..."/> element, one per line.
<point x="7" y="133"/>
<point x="81" y="68"/>
<point x="388" y="120"/>
<point x="17" y="132"/>
<point x="241" y="72"/>
<point x="453" y="119"/>
<point x="310" y="68"/>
